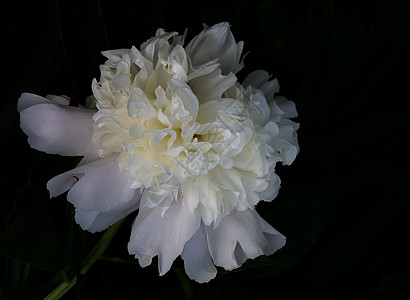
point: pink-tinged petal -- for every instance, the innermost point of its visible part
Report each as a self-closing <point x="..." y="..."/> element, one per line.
<point x="26" y="100"/>
<point x="101" y="185"/>
<point x="62" y="100"/>
<point x="162" y="232"/>
<point x="63" y="182"/>
<point x="90" y="156"/>
<point x="95" y="221"/>
<point x="57" y="129"/>
<point x="198" y="262"/>
<point x="219" y="43"/>
<point x="240" y="236"/>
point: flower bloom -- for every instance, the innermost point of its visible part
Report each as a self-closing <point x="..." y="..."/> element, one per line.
<point x="170" y="131"/>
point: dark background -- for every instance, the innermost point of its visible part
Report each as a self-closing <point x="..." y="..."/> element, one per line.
<point x="343" y="205"/>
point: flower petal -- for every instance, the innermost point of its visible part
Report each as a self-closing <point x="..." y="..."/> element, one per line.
<point x="260" y="80"/>
<point x="285" y="142"/>
<point x="101" y="185"/>
<point x="211" y="86"/>
<point x="62" y="100"/>
<point x="256" y="79"/>
<point x="162" y="233"/>
<point x="26" y="100"/>
<point x="216" y="42"/>
<point x="95" y="221"/>
<point x="198" y="262"/>
<point x="240" y="236"/>
<point x="63" y="182"/>
<point x="55" y="129"/>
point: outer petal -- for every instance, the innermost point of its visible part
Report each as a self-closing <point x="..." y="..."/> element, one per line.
<point x="95" y="221"/>
<point x="162" y="233"/>
<point x="260" y="80"/>
<point x="286" y="140"/>
<point x="216" y="42"/>
<point x="198" y="262"/>
<point x="240" y="236"/>
<point x="55" y="129"/>
<point x="26" y="100"/>
<point x="256" y="79"/>
<point x="101" y="185"/>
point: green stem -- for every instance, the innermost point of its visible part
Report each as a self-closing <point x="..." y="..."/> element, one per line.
<point x="61" y="289"/>
<point x="87" y="263"/>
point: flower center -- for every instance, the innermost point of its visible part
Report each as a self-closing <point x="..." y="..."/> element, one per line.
<point x="181" y="132"/>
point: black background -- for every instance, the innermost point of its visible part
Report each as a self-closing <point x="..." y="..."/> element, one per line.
<point x="343" y="205"/>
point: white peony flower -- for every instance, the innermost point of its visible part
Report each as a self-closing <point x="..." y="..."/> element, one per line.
<point x="170" y="131"/>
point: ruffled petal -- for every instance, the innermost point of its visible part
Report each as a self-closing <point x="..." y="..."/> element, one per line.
<point x="53" y="128"/>
<point x="211" y="86"/>
<point x="162" y="233"/>
<point x="216" y="42"/>
<point x="259" y="109"/>
<point x="97" y="186"/>
<point x="197" y="260"/>
<point x="240" y="236"/>
<point x="285" y="142"/>
<point x="256" y="79"/>
<point x="95" y="221"/>
<point x="260" y="80"/>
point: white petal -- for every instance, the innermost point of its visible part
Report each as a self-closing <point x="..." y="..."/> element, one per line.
<point x="260" y="80"/>
<point x="56" y="129"/>
<point x="256" y="79"/>
<point x="63" y="182"/>
<point x="259" y="109"/>
<point x="90" y="156"/>
<point x="182" y="91"/>
<point x="211" y="86"/>
<point x="95" y="221"/>
<point x="285" y="142"/>
<point x="270" y="88"/>
<point x="240" y="236"/>
<point x="101" y="185"/>
<point x="272" y="189"/>
<point x="62" y="100"/>
<point x="216" y="42"/>
<point x="198" y="262"/>
<point x="26" y="100"/>
<point x="156" y="232"/>
<point x="280" y="108"/>
<point x="275" y="239"/>
<point x="116" y="54"/>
